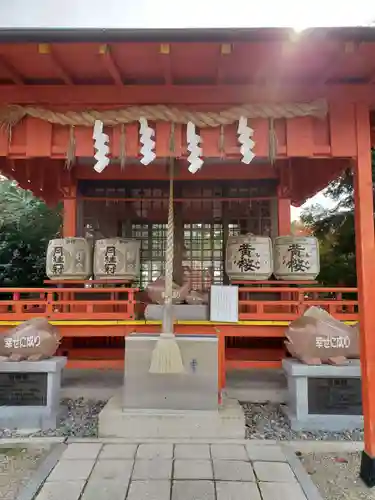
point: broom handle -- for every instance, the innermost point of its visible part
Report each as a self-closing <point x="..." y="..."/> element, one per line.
<point x="169" y="255"/>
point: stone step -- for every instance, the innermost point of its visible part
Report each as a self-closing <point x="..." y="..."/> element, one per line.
<point x="226" y="423"/>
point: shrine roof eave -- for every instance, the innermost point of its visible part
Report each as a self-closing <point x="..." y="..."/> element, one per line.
<point x="40" y="35"/>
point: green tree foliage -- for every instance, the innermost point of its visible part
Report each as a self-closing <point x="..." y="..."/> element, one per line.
<point x="335" y="230"/>
<point x="26" y="226"/>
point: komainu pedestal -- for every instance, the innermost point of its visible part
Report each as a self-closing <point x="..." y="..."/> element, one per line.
<point x="30" y="394"/>
<point x="326" y="398"/>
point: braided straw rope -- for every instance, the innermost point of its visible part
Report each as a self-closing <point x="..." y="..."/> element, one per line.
<point x="11" y="115"/>
<point x="169" y="255"/>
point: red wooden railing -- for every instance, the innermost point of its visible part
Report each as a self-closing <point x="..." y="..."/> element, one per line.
<point x="19" y="304"/>
<point x="268" y="303"/>
<point x="288" y="303"/>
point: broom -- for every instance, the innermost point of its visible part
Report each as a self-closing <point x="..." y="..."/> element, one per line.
<point x="166" y="356"/>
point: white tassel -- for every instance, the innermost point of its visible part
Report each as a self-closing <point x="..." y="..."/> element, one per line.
<point x="193" y="142"/>
<point x="101" y="145"/>
<point x="146" y="138"/>
<point x="244" y="138"/>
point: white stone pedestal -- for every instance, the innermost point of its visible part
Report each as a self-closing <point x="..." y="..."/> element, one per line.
<point x="171" y="406"/>
<point x="30" y="393"/>
<point x="303" y="400"/>
<point x="195" y="389"/>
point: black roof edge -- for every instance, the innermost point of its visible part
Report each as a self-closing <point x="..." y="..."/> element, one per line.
<point x="67" y="35"/>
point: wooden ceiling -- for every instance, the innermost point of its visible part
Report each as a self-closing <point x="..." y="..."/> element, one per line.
<point x="244" y="63"/>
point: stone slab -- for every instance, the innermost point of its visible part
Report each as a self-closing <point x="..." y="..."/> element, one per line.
<point x="282" y="491"/>
<point x="160" y="450"/>
<point x="52" y="365"/>
<point x="53" y="491"/>
<point x="42" y="417"/>
<point x="192" y="451"/>
<point x="229" y="451"/>
<point x="117" y="470"/>
<point x="228" y="422"/>
<point x="82" y="451"/>
<point x="295" y="368"/>
<point x="71" y="470"/>
<point x="274" y="472"/>
<point x="193" y="490"/>
<point x="149" y="490"/>
<point x="118" y="451"/>
<point x="195" y="389"/>
<point x="103" y="489"/>
<point x="157" y="468"/>
<point x="261" y="453"/>
<point x="232" y="490"/>
<point x="233" y="470"/>
<point x="192" y="469"/>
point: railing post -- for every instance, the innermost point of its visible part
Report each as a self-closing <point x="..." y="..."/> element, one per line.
<point x="49" y="306"/>
<point x="301" y="302"/>
<point x="17" y="305"/>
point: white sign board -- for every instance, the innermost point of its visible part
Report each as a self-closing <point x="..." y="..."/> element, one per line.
<point x="224" y="304"/>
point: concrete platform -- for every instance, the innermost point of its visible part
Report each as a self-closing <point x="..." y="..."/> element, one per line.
<point x="226" y="423"/>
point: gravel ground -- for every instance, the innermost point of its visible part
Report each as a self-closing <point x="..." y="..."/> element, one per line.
<point x="267" y="421"/>
<point x="336" y="476"/>
<point x="78" y="418"/>
<point x="16" y="467"/>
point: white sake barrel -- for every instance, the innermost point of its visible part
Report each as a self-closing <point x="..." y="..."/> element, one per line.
<point x="296" y="258"/>
<point x="69" y="259"/>
<point x="117" y="258"/>
<point x="249" y="257"/>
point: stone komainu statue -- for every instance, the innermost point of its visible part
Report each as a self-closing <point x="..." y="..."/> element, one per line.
<point x="156" y="289"/>
<point x="317" y="337"/>
<point x="33" y="340"/>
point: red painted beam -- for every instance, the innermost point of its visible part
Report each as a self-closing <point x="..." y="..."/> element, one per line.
<point x="200" y="95"/>
<point x="11" y="71"/>
<point x="110" y="64"/>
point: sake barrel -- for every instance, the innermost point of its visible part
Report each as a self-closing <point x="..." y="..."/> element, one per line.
<point x="249" y="257"/>
<point x="117" y="258"/>
<point x="296" y="258"/>
<point x="69" y="259"/>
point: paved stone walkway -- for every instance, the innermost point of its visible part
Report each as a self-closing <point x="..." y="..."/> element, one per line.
<point x="165" y="471"/>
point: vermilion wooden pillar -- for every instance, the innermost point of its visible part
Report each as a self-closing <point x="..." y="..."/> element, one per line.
<point x="70" y="212"/>
<point x="365" y="254"/>
<point x="283" y="216"/>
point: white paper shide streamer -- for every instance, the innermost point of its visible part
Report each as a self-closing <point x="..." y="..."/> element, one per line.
<point x="148" y="144"/>
<point x="245" y="134"/>
<point x="193" y="146"/>
<point x="101" y="145"/>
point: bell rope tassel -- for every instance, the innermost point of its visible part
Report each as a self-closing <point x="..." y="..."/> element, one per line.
<point x="166" y="356"/>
